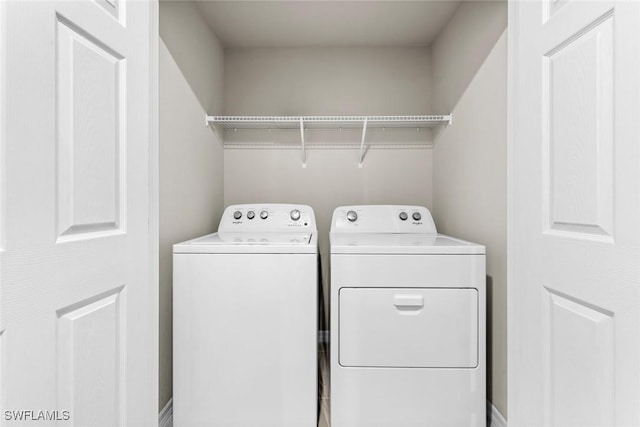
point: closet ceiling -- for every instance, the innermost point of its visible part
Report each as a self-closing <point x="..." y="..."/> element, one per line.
<point x="326" y="23"/>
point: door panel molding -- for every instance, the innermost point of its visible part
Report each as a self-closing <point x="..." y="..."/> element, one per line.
<point x="578" y="361"/>
<point x="578" y="143"/>
<point x="91" y="135"/>
<point x="91" y="352"/>
<point x="115" y="8"/>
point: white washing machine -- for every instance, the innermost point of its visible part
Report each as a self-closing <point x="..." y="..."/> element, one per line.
<point x="245" y="321"/>
<point x="407" y="321"/>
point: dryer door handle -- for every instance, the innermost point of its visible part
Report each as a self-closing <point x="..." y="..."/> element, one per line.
<point x="408" y="301"/>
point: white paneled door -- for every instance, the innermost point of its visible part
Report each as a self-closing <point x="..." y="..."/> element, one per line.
<point x="78" y="302"/>
<point x="574" y="242"/>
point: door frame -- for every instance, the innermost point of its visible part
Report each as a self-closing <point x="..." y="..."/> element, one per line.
<point x="512" y="135"/>
<point x="154" y="181"/>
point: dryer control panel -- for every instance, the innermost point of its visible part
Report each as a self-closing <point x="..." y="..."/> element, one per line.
<point x="383" y="219"/>
<point x="268" y="218"/>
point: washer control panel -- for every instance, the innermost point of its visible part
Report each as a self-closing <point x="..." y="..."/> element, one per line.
<point x="383" y="219"/>
<point x="268" y="217"/>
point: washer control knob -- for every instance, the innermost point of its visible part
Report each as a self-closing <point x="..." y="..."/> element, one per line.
<point x="416" y="216"/>
<point x="352" y="216"/>
<point x="237" y="215"/>
<point x="264" y="214"/>
<point x="251" y="214"/>
<point x="403" y="216"/>
<point x="295" y="215"/>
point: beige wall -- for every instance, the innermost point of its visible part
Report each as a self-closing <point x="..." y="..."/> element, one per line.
<point x="197" y="51"/>
<point x="331" y="81"/>
<point x="469" y="197"/>
<point x="462" y="47"/>
<point x="191" y="157"/>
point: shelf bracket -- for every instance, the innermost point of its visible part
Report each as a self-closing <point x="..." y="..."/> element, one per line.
<point x="304" y="152"/>
<point x="442" y="127"/>
<point x="364" y="137"/>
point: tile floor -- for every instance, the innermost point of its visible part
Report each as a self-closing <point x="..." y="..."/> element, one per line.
<point x="323" y="385"/>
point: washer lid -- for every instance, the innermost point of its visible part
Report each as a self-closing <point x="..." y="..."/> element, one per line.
<point x="238" y="243"/>
<point x="390" y="243"/>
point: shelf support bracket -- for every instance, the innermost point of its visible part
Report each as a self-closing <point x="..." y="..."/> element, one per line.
<point x="304" y="152"/>
<point x="442" y="127"/>
<point x="364" y="137"/>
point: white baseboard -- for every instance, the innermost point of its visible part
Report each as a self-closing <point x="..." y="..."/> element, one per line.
<point x="494" y="417"/>
<point x="165" y="418"/>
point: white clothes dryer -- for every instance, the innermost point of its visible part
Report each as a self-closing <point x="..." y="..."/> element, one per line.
<point x="407" y="321"/>
<point x="245" y="320"/>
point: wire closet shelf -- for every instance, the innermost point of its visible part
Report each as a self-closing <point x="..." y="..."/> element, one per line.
<point x="303" y="123"/>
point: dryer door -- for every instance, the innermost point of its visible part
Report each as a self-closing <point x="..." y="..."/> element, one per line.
<point x="408" y="327"/>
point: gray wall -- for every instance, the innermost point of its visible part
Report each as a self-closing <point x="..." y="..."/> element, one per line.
<point x="462" y="47"/>
<point x="469" y="171"/>
<point x="331" y="81"/>
<point x="196" y="49"/>
<point x="191" y="157"/>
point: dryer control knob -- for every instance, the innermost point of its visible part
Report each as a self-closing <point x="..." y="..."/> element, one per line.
<point x="352" y="216"/>
<point x="251" y="214"/>
<point x="416" y="216"/>
<point x="264" y="214"/>
<point x="237" y="215"/>
<point x="295" y="215"/>
<point x="403" y="216"/>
